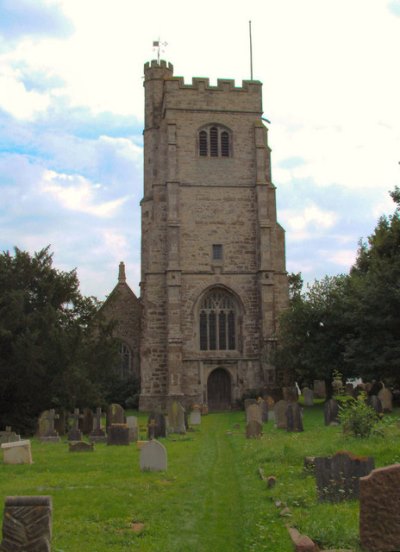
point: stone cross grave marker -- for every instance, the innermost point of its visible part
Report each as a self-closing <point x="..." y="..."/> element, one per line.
<point x="27" y="524"/>
<point x="118" y="434"/>
<point x="132" y="423"/>
<point x="379" y="509"/>
<point x="253" y="412"/>
<point x="17" y="452"/>
<point x="176" y="418"/>
<point x="294" y="419"/>
<point x="153" y="456"/>
<point x="280" y="414"/>
<point x="331" y="412"/>
<point x="46" y="426"/>
<point x="253" y="429"/>
<point x="308" y="395"/>
<point x="386" y="398"/>
<point x="338" y="476"/>
<point x="98" y="434"/>
<point x="75" y="434"/>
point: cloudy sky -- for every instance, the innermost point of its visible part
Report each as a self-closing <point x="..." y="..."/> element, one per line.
<point x="71" y="119"/>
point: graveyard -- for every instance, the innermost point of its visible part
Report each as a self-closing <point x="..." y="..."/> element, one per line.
<point x="218" y="491"/>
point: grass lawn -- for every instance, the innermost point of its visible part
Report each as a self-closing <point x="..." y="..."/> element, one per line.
<point x="211" y="499"/>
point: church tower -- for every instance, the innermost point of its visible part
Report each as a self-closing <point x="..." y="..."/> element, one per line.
<point x="213" y="276"/>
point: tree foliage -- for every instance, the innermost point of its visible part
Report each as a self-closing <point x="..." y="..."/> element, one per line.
<point x="49" y="354"/>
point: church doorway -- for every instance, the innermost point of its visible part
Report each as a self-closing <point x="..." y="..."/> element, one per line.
<point x="219" y="390"/>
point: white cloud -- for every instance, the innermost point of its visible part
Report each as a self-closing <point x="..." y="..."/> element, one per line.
<point x="310" y="217"/>
<point x="15" y="99"/>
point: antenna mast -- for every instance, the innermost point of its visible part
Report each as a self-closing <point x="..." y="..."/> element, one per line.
<point x="251" y="52"/>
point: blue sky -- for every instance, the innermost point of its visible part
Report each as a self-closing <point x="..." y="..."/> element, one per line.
<point x="71" y="120"/>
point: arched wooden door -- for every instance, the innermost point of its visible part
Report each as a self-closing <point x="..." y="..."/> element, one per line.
<point x="219" y="390"/>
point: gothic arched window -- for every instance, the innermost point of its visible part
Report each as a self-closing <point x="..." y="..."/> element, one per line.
<point x="214" y="141"/>
<point x="125" y="365"/>
<point x="218" y="321"/>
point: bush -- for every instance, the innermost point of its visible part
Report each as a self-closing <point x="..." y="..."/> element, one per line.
<point x="357" y="418"/>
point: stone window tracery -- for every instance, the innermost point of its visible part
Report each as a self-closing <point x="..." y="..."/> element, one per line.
<point x="218" y="321"/>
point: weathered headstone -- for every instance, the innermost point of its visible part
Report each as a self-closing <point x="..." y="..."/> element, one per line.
<point x="74" y="433"/>
<point x="253" y="429"/>
<point x="331" y="412"/>
<point x="27" y="524"/>
<point x="308" y="395"/>
<point x="81" y="446"/>
<point x="253" y="412"/>
<point x="153" y="456"/>
<point x="118" y="434"/>
<point x="46" y="426"/>
<point x="176" y="418"/>
<point x="195" y="416"/>
<point x="204" y="409"/>
<point x="9" y="436"/>
<point x="60" y="422"/>
<point x="132" y="423"/>
<point x="115" y="415"/>
<point x="280" y="414"/>
<point x="98" y="434"/>
<point x="294" y="420"/>
<point x="319" y="389"/>
<point x="86" y="421"/>
<point x="264" y="410"/>
<point x="17" y="452"/>
<point x="338" y="476"/>
<point x="249" y="402"/>
<point x="156" y="426"/>
<point x="386" y="398"/>
<point x="290" y="393"/>
<point x="379" y="510"/>
<point x="375" y="403"/>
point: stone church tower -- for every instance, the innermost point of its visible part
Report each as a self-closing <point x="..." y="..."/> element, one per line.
<point x="213" y="255"/>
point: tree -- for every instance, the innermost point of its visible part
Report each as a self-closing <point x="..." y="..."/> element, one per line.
<point x="49" y="354"/>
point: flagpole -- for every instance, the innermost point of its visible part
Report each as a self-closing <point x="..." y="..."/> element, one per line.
<point x="251" y="52"/>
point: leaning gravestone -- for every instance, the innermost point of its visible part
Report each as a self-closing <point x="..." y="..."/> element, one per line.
<point x="331" y="412"/>
<point x="75" y="434"/>
<point x="17" y="452"/>
<point x="253" y="429"/>
<point x="153" y="456"/>
<point x="253" y="412"/>
<point x="27" y="524"/>
<point x="115" y="415"/>
<point x="176" y="418"/>
<point x="156" y="426"/>
<point x="46" y="426"/>
<point x="308" y="396"/>
<point x="132" y="423"/>
<point x="319" y="389"/>
<point x="338" y="476"/>
<point x="386" y="398"/>
<point x="86" y="421"/>
<point x="118" y="434"/>
<point x="280" y="414"/>
<point x="98" y="434"/>
<point x="294" y="420"/>
<point x="379" y="509"/>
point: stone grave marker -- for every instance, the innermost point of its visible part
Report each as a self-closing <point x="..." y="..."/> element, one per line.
<point x="331" y="412"/>
<point x="86" y="421"/>
<point x="319" y="389"/>
<point x="308" y="395"/>
<point x="46" y="426"/>
<point x="264" y="410"/>
<point x="176" y="418"/>
<point x="27" y="524"/>
<point x="379" y="509"/>
<point x="195" y="416"/>
<point x="75" y="434"/>
<point x="375" y="403"/>
<point x="280" y="414"/>
<point x="253" y="429"/>
<point x="17" y="452"/>
<point x="290" y="394"/>
<point x="253" y="412"/>
<point x="249" y="402"/>
<point x="132" y="423"/>
<point x="153" y="456"/>
<point x="204" y="409"/>
<point x="60" y="422"/>
<point x="294" y="419"/>
<point x="386" y="398"/>
<point x="115" y="415"/>
<point x="118" y="434"/>
<point x="80" y="446"/>
<point x="98" y="434"/>
<point x="8" y="436"/>
<point x="156" y="426"/>
<point x="338" y="476"/>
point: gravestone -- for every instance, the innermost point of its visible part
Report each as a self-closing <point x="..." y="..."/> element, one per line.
<point x="204" y="409"/>
<point x="280" y="414"/>
<point x="375" y="403"/>
<point x="17" y="452"/>
<point x="253" y="412"/>
<point x="153" y="456"/>
<point x="8" y="436"/>
<point x="290" y="394"/>
<point x="118" y="434"/>
<point x="319" y="389"/>
<point x="115" y="415"/>
<point x="308" y="396"/>
<point x="386" y="398"/>
<point x="132" y="423"/>
<point x="156" y="426"/>
<point x="195" y="416"/>
<point x="249" y="402"/>
<point x="379" y="509"/>
<point x="46" y="426"/>
<point x="294" y="420"/>
<point x="86" y="421"/>
<point x="338" y="476"/>
<point x="75" y="434"/>
<point x="253" y="429"/>
<point x="98" y="434"/>
<point x="264" y="410"/>
<point x="331" y="412"/>
<point x="60" y="422"/>
<point x="81" y="446"/>
<point x="27" y="524"/>
<point x="176" y="418"/>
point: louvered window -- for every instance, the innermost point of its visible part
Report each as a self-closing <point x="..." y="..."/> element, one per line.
<point x="203" y="146"/>
<point x="224" y="144"/>
<point x="214" y="142"/>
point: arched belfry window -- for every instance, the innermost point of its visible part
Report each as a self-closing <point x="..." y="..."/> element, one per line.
<point x="218" y="321"/>
<point x="215" y="141"/>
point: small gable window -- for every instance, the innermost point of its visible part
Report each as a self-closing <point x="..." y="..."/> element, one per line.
<point x="214" y="141"/>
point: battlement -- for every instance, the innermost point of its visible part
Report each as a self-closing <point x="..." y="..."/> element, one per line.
<point x="203" y="83"/>
<point x="154" y="64"/>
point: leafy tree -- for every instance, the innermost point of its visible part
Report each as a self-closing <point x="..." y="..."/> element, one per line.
<point x="49" y="354"/>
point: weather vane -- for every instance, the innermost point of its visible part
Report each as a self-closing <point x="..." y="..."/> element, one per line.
<point x="160" y="47"/>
